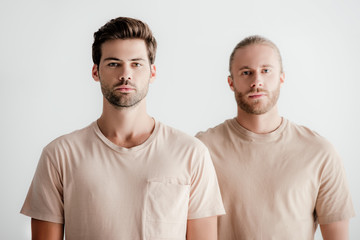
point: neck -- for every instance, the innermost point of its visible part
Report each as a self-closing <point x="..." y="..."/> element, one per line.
<point x="126" y="127"/>
<point x="260" y="124"/>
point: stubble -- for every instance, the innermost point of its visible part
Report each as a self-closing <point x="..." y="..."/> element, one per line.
<point x="259" y="106"/>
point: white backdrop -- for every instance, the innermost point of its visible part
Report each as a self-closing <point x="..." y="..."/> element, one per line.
<point x="46" y="88"/>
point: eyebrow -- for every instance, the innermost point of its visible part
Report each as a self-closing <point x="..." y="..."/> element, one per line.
<point x="138" y="59"/>
<point x="117" y="59"/>
<point x="247" y="67"/>
<point x="244" y="67"/>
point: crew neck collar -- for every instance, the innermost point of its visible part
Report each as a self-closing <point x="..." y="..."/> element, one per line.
<point x="124" y="149"/>
<point x="259" y="137"/>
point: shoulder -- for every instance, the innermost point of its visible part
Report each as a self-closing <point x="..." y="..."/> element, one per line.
<point x="306" y="133"/>
<point x="217" y="132"/>
<point x="309" y="138"/>
<point x="177" y="137"/>
<point x="72" y="139"/>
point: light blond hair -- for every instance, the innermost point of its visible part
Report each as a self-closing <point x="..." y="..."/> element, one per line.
<point x="251" y="40"/>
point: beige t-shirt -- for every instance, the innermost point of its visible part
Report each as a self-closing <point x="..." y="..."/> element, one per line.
<point x="278" y="185"/>
<point x="102" y="191"/>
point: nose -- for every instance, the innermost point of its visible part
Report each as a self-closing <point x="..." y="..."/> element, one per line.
<point x="257" y="80"/>
<point x="125" y="74"/>
<point x="123" y="78"/>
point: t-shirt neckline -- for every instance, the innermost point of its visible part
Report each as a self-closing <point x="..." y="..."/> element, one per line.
<point x="117" y="148"/>
<point x="251" y="136"/>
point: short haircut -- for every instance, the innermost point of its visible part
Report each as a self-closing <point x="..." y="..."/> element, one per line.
<point x="251" y="40"/>
<point x="124" y="28"/>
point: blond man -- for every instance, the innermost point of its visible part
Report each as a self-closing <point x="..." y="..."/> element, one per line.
<point x="278" y="180"/>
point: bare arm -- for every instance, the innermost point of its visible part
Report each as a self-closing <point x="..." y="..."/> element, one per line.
<point x="335" y="230"/>
<point x="42" y="230"/>
<point x="202" y="229"/>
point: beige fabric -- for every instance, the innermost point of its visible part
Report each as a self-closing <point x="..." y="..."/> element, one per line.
<point x="103" y="191"/>
<point x="276" y="185"/>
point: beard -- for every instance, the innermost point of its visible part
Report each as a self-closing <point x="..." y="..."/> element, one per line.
<point x="258" y="106"/>
<point x="124" y="100"/>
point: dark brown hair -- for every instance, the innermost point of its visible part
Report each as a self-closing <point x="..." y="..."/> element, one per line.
<point x="124" y="28"/>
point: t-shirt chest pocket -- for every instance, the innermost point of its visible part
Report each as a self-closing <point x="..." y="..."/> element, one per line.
<point x="166" y="209"/>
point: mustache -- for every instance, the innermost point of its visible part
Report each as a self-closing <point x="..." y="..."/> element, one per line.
<point x="257" y="90"/>
<point x="124" y="82"/>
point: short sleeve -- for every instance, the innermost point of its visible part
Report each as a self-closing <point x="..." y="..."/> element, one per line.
<point x="334" y="201"/>
<point x="205" y="197"/>
<point x="44" y="200"/>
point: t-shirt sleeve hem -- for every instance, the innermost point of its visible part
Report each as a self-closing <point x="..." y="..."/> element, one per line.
<point x="42" y="217"/>
<point x="336" y="217"/>
<point x="209" y="213"/>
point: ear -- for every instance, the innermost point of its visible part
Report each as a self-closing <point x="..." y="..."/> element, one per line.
<point x="95" y="72"/>
<point x="231" y="82"/>
<point x="152" y="73"/>
<point x="282" y="78"/>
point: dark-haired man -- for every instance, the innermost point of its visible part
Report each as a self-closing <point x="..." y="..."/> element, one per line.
<point x="278" y="180"/>
<point x="126" y="176"/>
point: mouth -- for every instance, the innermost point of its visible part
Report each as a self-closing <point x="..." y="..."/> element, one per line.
<point x="124" y="88"/>
<point x="256" y="95"/>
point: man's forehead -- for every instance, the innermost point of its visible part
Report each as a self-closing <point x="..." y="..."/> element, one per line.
<point x="262" y="54"/>
<point x="256" y="49"/>
<point x="124" y="44"/>
<point x="124" y="49"/>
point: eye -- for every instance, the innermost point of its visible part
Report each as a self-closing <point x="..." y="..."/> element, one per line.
<point x="266" y="70"/>
<point x="246" y="73"/>
<point x="113" y="64"/>
<point x="137" y="64"/>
